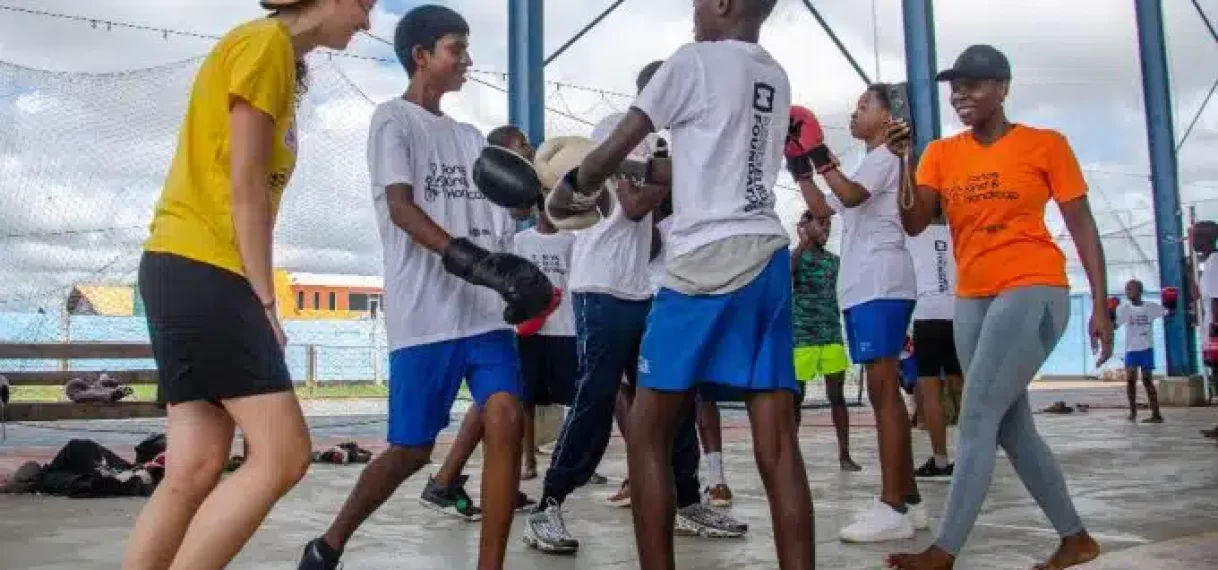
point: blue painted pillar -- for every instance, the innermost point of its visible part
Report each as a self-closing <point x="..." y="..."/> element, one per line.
<point x="1156" y="94"/>
<point x="920" y="69"/>
<point x="526" y="68"/>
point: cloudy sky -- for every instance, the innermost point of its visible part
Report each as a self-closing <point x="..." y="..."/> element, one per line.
<point x="91" y="111"/>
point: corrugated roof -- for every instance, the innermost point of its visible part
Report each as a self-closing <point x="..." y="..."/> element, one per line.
<point x="336" y="280"/>
<point x="107" y="300"/>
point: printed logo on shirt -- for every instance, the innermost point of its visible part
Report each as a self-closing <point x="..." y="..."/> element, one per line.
<point x="451" y="182"/>
<point x="756" y="193"/>
<point x="551" y="264"/>
<point x="941" y="260"/>
<point x="289" y="138"/>
<point x="980" y="187"/>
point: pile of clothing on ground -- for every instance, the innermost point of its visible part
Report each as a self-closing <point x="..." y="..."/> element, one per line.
<point x="103" y="389"/>
<point x="84" y="469"/>
<point x="341" y="454"/>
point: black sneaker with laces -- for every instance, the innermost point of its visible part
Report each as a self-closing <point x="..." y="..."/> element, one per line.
<point x="453" y="500"/>
<point x="932" y="471"/>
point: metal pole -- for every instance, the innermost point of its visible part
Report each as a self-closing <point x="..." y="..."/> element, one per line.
<point x="581" y="33"/>
<point x="1178" y="335"/>
<point x="840" y="46"/>
<point x="920" y="69"/>
<point x="526" y="70"/>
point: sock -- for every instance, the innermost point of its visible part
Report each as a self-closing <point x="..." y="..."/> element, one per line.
<point x="898" y="508"/>
<point x="714" y="466"/>
<point x="940" y="461"/>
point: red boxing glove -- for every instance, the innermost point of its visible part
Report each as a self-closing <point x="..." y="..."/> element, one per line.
<point x="531" y="326"/>
<point x="1113" y="303"/>
<point x="1171" y="298"/>
<point x="805" y="147"/>
<point x="1209" y="352"/>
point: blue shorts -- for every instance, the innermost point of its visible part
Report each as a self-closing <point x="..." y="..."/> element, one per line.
<point x="726" y="345"/>
<point x="424" y="381"/>
<point x="1141" y="359"/>
<point x="877" y="329"/>
<point x="909" y="373"/>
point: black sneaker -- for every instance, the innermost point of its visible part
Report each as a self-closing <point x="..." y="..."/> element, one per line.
<point x="318" y="556"/>
<point x="524" y="504"/>
<point x="452" y="501"/>
<point x="932" y="471"/>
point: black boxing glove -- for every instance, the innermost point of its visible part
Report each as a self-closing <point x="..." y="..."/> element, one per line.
<point x="525" y="289"/>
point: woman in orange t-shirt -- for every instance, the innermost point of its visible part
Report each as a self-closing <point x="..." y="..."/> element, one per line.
<point x="993" y="183"/>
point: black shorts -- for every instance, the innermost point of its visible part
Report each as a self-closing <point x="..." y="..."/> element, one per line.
<point x="210" y="336"/>
<point x="549" y="366"/>
<point x="934" y="344"/>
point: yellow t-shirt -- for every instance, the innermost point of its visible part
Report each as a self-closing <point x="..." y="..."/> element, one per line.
<point x="254" y="62"/>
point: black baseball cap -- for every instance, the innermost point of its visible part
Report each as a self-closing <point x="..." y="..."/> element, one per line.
<point x="978" y="62"/>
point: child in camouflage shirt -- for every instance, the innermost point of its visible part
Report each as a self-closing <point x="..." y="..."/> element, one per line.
<point x="819" y="350"/>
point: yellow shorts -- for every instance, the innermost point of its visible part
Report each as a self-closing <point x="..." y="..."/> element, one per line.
<point x="812" y="362"/>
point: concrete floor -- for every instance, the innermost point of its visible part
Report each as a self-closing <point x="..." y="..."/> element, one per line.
<point x="1148" y="493"/>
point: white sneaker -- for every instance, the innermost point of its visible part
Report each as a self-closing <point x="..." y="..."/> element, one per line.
<point x="918" y="517"/>
<point x="879" y="523"/>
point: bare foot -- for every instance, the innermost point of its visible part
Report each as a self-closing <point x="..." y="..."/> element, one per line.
<point x="848" y="464"/>
<point x="1073" y="551"/>
<point x="932" y="558"/>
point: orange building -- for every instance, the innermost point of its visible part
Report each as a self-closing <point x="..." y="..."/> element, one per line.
<point x="324" y="296"/>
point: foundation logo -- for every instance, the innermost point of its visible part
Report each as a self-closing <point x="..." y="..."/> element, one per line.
<point x="756" y="192"/>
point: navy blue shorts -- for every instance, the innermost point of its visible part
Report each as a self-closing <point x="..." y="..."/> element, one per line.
<point x="726" y="345"/>
<point x="424" y="381"/>
<point x="876" y="329"/>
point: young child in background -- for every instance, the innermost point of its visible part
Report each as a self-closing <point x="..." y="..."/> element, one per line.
<point x="1138" y="318"/>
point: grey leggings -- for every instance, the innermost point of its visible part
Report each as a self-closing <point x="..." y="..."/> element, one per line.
<point x="1002" y="342"/>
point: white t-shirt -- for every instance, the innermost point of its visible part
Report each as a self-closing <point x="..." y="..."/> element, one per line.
<point x="875" y="262"/>
<point x="612" y="256"/>
<point x="552" y="254"/>
<point x="726" y="104"/>
<point x="1139" y="324"/>
<point x="1208" y="284"/>
<point x="935" y="268"/>
<point x="435" y="156"/>
<point x="658" y="269"/>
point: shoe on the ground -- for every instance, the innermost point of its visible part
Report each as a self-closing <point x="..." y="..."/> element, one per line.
<point x="1153" y="420"/>
<point x="700" y="520"/>
<point x="718" y="496"/>
<point x="879" y="523"/>
<point x="918" y="516"/>
<point x="598" y="479"/>
<point x="931" y="471"/>
<point x="313" y="559"/>
<point x="546" y="531"/>
<point x="848" y="465"/>
<point x="523" y="503"/>
<point x="453" y="501"/>
<point x="1210" y="433"/>
<point x="621" y="498"/>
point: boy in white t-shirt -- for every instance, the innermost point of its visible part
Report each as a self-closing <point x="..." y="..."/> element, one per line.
<point x="721" y="325"/>
<point x="1138" y="318"/>
<point x="447" y="277"/>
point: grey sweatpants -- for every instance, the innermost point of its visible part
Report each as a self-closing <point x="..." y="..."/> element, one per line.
<point x="1002" y="342"/>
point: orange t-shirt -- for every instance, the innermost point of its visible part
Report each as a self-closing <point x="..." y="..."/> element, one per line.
<point x="994" y="199"/>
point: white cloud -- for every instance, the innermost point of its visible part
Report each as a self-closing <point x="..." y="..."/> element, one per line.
<point x="87" y="140"/>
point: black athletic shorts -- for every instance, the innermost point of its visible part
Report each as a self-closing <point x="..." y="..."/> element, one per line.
<point x="935" y="348"/>
<point x="210" y="336"/>
<point x="549" y="365"/>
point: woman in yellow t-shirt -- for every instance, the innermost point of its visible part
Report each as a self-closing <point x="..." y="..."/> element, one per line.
<point x="992" y="183"/>
<point x="206" y="282"/>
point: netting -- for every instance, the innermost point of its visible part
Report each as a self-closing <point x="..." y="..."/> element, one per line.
<point x="82" y="157"/>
